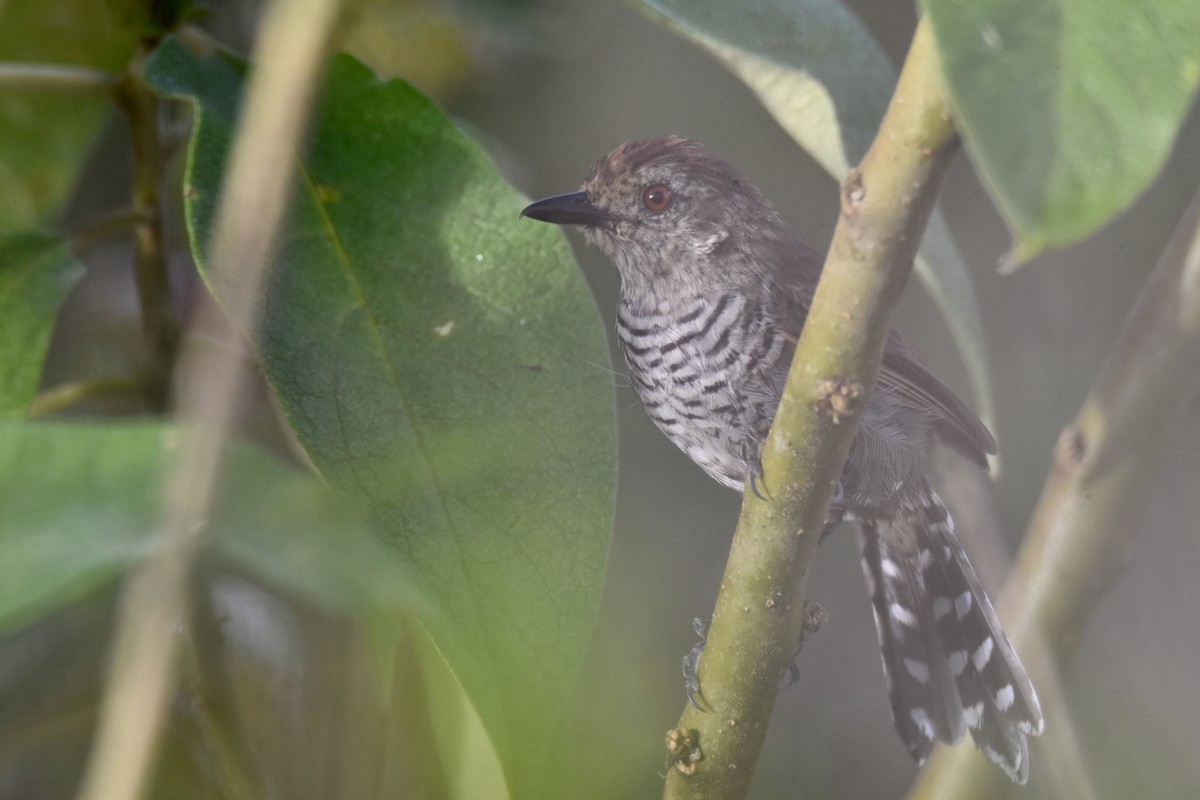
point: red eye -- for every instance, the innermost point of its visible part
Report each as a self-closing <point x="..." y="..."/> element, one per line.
<point x="657" y="197"/>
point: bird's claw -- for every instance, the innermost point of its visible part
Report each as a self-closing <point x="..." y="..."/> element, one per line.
<point x="751" y="454"/>
<point x="756" y="473"/>
<point x="691" y="665"/>
<point x="793" y="676"/>
<point x="814" y="615"/>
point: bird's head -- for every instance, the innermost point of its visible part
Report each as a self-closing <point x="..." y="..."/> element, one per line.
<point x="666" y="210"/>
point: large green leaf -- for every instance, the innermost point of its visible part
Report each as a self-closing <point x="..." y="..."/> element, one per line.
<point x="444" y="367"/>
<point x="45" y="136"/>
<point x="36" y="271"/>
<point x="817" y="70"/>
<point x="79" y="503"/>
<point x="1068" y="108"/>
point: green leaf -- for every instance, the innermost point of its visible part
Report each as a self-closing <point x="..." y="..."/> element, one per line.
<point x="811" y="63"/>
<point x="292" y="531"/>
<point x="444" y="367"/>
<point x="45" y="136"/>
<point x="1069" y="109"/>
<point x="817" y="70"/>
<point x="36" y="272"/>
<point x="79" y="503"/>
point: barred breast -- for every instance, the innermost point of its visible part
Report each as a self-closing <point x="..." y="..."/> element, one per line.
<point x="709" y="372"/>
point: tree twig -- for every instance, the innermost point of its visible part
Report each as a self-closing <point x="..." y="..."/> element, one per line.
<point x="65" y="396"/>
<point x="760" y="610"/>
<point x="55" y="77"/>
<point x="1103" y="465"/>
<point x="117" y="221"/>
<point x="159" y="326"/>
<point x="259" y="176"/>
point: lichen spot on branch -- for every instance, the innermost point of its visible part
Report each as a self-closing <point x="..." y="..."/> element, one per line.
<point x="1071" y="448"/>
<point x="683" y="750"/>
<point x="854" y="191"/>
<point x="840" y="398"/>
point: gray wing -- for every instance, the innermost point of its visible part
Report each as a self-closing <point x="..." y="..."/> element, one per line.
<point x="901" y="372"/>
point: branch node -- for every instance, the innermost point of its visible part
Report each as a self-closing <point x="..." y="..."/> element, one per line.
<point x="854" y="191"/>
<point x="840" y="397"/>
<point x="1070" y="449"/>
<point x="815" y="616"/>
<point x="683" y="750"/>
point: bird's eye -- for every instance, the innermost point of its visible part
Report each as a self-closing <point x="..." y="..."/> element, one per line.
<point x="657" y="197"/>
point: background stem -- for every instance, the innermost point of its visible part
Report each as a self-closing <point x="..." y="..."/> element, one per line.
<point x="160" y="329"/>
<point x="257" y="186"/>
<point x="55" y="77"/>
<point x="1088" y="512"/>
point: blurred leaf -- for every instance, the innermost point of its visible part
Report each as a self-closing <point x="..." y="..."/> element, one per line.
<point x="825" y="80"/>
<point x="291" y="530"/>
<point x="422" y="41"/>
<point x="1069" y="109"/>
<point x="79" y="503"/>
<point x="46" y="136"/>
<point x="812" y="63"/>
<point x="445" y="368"/>
<point x="466" y="754"/>
<point x="36" y="272"/>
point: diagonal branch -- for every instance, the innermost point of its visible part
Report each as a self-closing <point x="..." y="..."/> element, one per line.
<point x="159" y="326"/>
<point x="55" y="77"/>
<point x="1104" y="463"/>
<point x="146" y="644"/>
<point x="760" y="610"/>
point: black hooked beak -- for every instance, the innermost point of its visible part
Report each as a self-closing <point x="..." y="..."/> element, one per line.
<point x="573" y="208"/>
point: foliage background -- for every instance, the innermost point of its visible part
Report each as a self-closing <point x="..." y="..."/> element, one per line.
<point x="602" y="75"/>
<point x="550" y="86"/>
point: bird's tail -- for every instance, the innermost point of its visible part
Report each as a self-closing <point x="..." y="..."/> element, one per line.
<point x="948" y="664"/>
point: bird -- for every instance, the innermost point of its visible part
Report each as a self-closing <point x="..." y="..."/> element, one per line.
<point x="715" y="288"/>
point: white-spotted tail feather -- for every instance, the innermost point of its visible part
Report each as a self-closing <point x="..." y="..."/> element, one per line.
<point x="924" y="699"/>
<point x="948" y="663"/>
<point x="999" y="702"/>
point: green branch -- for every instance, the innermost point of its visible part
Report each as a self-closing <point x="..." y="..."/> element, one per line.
<point x="760" y="610"/>
<point x="1104" y="464"/>
<point x="119" y="221"/>
<point x="140" y="106"/>
<point x="55" y="77"/>
<point x="66" y="396"/>
<point x="159" y="326"/>
<point x="154" y="597"/>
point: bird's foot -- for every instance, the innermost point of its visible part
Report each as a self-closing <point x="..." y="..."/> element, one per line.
<point x="691" y="664"/>
<point x="813" y="616"/>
